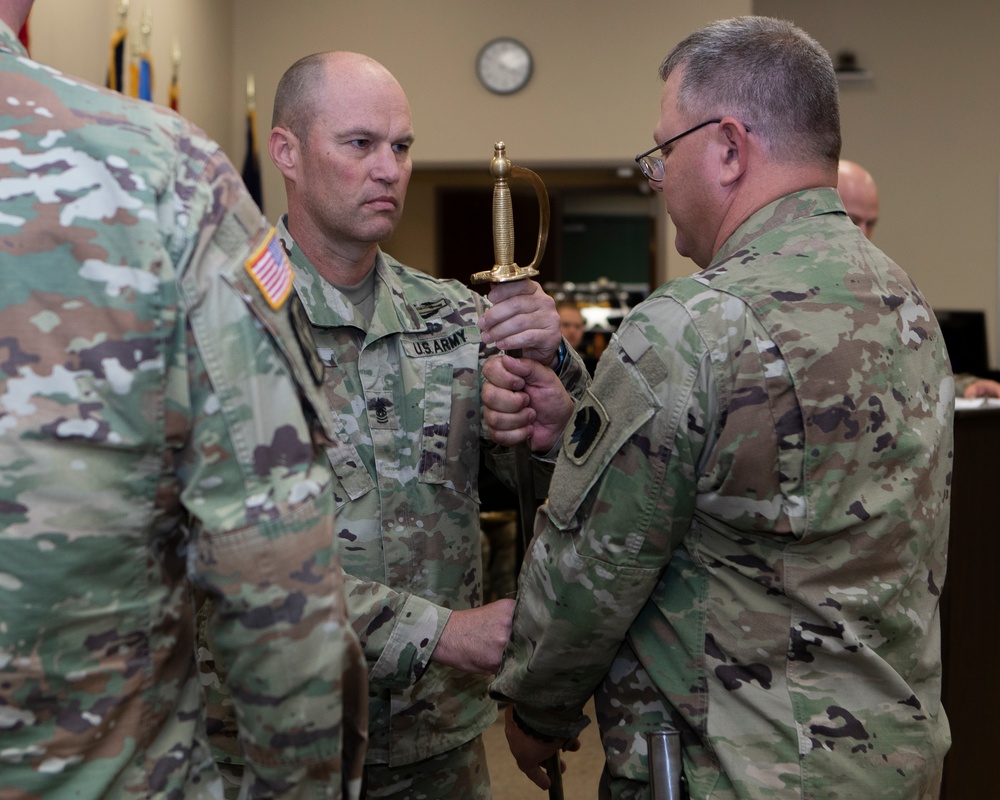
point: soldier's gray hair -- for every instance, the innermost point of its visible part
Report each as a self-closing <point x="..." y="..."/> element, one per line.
<point x="769" y="74"/>
<point x="295" y="97"/>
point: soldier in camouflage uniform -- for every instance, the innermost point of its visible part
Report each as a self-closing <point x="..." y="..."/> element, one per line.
<point x="746" y="531"/>
<point x="159" y="431"/>
<point x="402" y="353"/>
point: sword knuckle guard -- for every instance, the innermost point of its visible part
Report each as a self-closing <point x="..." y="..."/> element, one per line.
<point x="503" y="221"/>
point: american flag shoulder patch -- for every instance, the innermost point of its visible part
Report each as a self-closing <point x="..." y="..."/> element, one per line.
<point x="270" y="270"/>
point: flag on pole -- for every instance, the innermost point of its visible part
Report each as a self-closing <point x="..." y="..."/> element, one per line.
<point x="141" y="68"/>
<point x="23" y="36"/>
<point x="251" y="164"/>
<point x="116" y="56"/>
<point x="174" y="94"/>
<point x="145" y="71"/>
<point x="174" y="97"/>
<point x="133" y="71"/>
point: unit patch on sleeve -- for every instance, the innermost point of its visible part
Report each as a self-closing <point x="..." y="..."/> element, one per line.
<point x="589" y="424"/>
<point x="270" y="270"/>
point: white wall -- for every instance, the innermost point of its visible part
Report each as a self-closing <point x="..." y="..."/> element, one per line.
<point x="925" y="127"/>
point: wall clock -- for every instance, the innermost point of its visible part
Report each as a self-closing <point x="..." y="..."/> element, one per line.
<point x="504" y="65"/>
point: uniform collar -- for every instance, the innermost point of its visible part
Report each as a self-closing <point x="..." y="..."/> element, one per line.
<point x="327" y="307"/>
<point x="791" y="207"/>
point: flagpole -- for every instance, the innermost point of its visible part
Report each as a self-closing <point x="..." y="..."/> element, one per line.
<point x="145" y="88"/>
<point x="116" y="56"/>
<point x="174" y="97"/>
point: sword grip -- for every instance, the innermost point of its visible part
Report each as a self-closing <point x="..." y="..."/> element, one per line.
<point x="503" y="224"/>
<point x="503" y="221"/>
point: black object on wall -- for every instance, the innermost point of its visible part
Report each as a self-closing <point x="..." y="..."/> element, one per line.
<point x="965" y="336"/>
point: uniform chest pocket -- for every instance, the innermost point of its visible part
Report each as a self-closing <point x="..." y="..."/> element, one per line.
<point x="451" y="429"/>
<point x="351" y="479"/>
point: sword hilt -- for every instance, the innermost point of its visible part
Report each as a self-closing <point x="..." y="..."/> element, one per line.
<point x="503" y="221"/>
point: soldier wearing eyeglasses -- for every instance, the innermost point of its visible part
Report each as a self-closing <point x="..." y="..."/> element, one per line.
<point x="746" y="530"/>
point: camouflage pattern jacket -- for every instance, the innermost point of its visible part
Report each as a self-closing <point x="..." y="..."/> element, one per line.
<point x="404" y="390"/>
<point x="747" y="526"/>
<point x="154" y="439"/>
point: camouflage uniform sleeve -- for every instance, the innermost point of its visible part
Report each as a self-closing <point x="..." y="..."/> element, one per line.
<point x="252" y="476"/>
<point x="622" y="500"/>
<point x="398" y="630"/>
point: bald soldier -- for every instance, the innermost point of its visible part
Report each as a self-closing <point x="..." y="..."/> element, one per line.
<point x="859" y="193"/>
<point x="402" y="356"/>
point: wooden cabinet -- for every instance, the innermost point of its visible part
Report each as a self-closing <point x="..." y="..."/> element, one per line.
<point x="970" y="608"/>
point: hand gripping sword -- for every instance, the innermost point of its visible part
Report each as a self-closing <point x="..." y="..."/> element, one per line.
<point x="506" y="270"/>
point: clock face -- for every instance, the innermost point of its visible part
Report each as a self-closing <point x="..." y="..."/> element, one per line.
<point x="504" y="65"/>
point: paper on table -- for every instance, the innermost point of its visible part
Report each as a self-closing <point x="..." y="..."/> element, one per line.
<point x="962" y="404"/>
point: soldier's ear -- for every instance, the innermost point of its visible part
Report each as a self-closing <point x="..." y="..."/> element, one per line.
<point x="735" y="150"/>
<point x="283" y="147"/>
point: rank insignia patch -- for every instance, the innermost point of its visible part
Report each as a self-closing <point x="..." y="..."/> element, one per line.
<point x="431" y="308"/>
<point x="271" y="271"/>
<point x="589" y="424"/>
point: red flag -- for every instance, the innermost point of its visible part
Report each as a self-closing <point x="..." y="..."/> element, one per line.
<point x="23" y="36"/>
<point x="174" y="96"/>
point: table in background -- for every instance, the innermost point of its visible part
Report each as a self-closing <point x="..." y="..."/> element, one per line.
<point x="969" y="609"/>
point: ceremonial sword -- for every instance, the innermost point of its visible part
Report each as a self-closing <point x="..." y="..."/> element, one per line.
<point x="504" y="270"/>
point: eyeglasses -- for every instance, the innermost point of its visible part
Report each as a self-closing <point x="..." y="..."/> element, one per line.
<point x="652" y="166"/>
